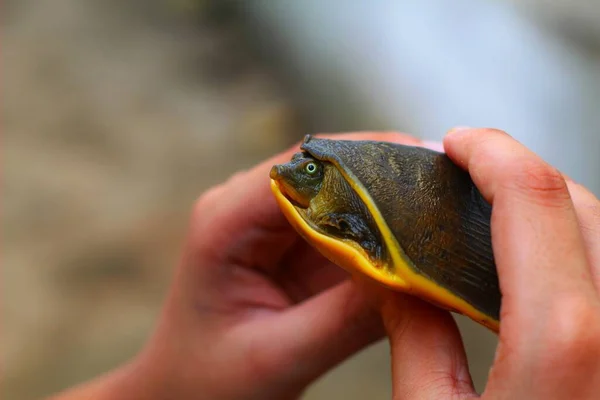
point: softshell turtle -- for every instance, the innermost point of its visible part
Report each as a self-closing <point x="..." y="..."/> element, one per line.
<point x="406" y="216"/>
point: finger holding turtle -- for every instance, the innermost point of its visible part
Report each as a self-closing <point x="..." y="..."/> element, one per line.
<point x="349" y="198"/>
<point x="546" y="243"/>
<point x="587" y="207"/>
<point x="255" y="312"/>
<point x="256" y="291"/>
<point x="545" y="239"/>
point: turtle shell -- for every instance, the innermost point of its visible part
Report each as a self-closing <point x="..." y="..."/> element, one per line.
<point x="433" y="221"/>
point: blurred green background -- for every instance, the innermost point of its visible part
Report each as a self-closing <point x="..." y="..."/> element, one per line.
<point x="118" y="114"/>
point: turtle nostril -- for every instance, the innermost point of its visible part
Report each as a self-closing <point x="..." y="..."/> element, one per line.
<point x="275" y="172"/>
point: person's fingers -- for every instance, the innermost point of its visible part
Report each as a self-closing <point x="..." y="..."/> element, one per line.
<point x="428" y="357"/>
<point x="304" y="272"/>
<point x="549" y="316"/>
<point x="315" y="335"/>
<point x="534" y="225"/>
<point x="587" y="207"/>
<point x="326" y="328"/>
<point x="433" y="145"/>
<point x="240" y="219"/>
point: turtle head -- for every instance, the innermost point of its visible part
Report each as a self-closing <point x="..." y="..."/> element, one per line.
<point x="300" y="179"/>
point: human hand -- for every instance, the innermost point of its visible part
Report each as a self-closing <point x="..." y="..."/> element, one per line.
<point x="546" y="241"/>
<point x="253" y="312"/>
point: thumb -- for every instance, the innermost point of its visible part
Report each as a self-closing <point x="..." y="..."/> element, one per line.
<point x="428" y="357"/>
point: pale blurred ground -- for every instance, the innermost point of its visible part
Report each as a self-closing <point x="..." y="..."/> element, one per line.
<point x="116" y="116"/>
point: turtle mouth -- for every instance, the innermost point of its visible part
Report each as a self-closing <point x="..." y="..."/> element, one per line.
<point x="277" y="175"/>
<point x="280" y="186"/>
<point x="289" y="193"/>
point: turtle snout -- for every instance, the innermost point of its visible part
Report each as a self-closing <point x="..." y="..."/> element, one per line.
<point x="276" y="172"/>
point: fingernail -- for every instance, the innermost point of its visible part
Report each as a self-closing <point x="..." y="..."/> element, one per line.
<point x="431" y="145"/>
<point x="458" y="129"/>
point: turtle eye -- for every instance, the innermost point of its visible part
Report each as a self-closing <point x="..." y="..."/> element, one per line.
<point x="311" y="168"/>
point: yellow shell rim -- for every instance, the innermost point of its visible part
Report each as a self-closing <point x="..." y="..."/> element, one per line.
<point x="353" y="259"/>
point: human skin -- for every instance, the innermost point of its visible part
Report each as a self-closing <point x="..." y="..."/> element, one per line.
<point x="546" y="241"/>
<point x="254" y="312"/>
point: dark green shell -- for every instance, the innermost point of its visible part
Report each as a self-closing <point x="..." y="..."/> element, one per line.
<point x="437" y="215"/>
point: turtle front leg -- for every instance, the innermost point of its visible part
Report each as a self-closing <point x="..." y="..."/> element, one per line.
<point x="353" y="227"/>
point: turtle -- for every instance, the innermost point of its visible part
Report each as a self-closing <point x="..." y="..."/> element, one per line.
<point x="405" y="216"/>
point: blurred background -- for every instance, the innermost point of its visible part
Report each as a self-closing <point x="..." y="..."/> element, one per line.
<point x="117" y="114"/>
